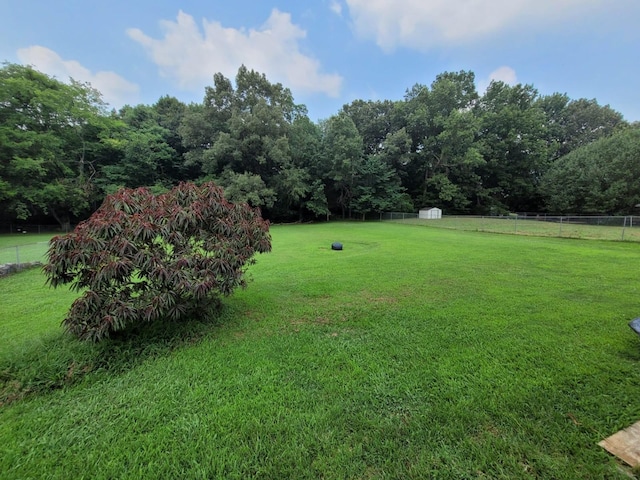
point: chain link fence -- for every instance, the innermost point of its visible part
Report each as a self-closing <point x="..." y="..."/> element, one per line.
<point x="25" y="245"/>
<point x="397" y="216"/>
<point x="624" y="228"/>
<point x="28" y="253"/>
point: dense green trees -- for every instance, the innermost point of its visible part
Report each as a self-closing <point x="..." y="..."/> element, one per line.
<point x="512" y="141"/>
<point x="599" y="177"/>
<point x="443" y="126"/>
<point x="241" y="137"/>
<point x="51" y="138"/>
<point x="144" y="155"/>
<point x="445" y="145"/>
<point x="343" y="154"/>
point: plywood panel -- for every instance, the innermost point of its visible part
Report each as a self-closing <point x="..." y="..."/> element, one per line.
<point x="625" y="444"/>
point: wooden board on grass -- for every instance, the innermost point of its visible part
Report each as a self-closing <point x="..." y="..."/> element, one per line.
<point x="625" y="444"/>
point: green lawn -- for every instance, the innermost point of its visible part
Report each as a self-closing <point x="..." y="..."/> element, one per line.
<point x="13" y="239"/>
<point x="413" y="353"/>
<point x="29" y="247"/>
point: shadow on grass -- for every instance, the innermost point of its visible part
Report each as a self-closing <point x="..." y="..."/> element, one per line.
<point x="59" y="361"/>
<point x="630" y="349"/>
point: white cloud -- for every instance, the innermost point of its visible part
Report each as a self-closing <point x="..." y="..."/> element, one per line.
<point x="424" y="24"/>
<point x="191" y="57"/>
<point x="115" y="89"/>
<point x="502" y="74"/>
<point x="336" y="7"/>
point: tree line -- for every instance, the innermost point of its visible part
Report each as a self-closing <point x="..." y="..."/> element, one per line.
<point x="509" y="149"/>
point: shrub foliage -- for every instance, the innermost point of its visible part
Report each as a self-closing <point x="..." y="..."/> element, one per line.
<point x="142" y="257"/>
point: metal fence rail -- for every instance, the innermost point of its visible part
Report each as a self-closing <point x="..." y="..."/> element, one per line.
<point x="602" y="227"/>
<point x="397" y="216"/>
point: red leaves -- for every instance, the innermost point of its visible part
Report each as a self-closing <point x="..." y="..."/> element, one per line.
<point x="142" y="257"/>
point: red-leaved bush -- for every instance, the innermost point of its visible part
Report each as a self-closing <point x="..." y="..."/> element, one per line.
<point x="142" y="257"/>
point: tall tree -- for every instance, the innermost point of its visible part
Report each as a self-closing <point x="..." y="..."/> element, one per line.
<point x="585" y="121"/>
<point x="373" y="120"/>
<point x="147" y="158"/>
<point x="377" y="188"/>
<point x="169" y="114"/>
<point x="50" y="137"/>
<point x="305" y="141"/>
<point x="575" y="123"/>
<point x="343" y="151"/>
<point x="513" y="143"/>
<point x="242" y="132"/>
<point x="600" y="177"/>
<point x="443" y="126"/>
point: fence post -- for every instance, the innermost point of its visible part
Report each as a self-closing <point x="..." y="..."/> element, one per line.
<point x="624" y="224"/>
<point x="17" y="255"/>
<point x="560" y="232"/>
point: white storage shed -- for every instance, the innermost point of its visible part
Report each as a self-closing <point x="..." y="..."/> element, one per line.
<point x="430" y="213"/>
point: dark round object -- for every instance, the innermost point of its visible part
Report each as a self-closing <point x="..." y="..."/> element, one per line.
<point x="336" y="246"/>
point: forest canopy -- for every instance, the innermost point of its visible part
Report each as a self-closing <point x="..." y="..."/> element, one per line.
<point x="508" y="149"/>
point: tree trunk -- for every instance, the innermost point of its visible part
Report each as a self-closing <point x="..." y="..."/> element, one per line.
<point x="63" y="220"/>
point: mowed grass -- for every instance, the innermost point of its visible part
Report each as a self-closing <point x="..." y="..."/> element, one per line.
<point x="16" y="239"/>
<point x="533" y="227"/>
<point x="28" y="247"/>
<point x="412" y="353"/>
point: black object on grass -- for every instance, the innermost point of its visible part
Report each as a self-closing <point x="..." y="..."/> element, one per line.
<point x="336" y="246"/>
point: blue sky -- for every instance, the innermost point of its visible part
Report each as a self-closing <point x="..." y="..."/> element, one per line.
<point x="330" y="52"/>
